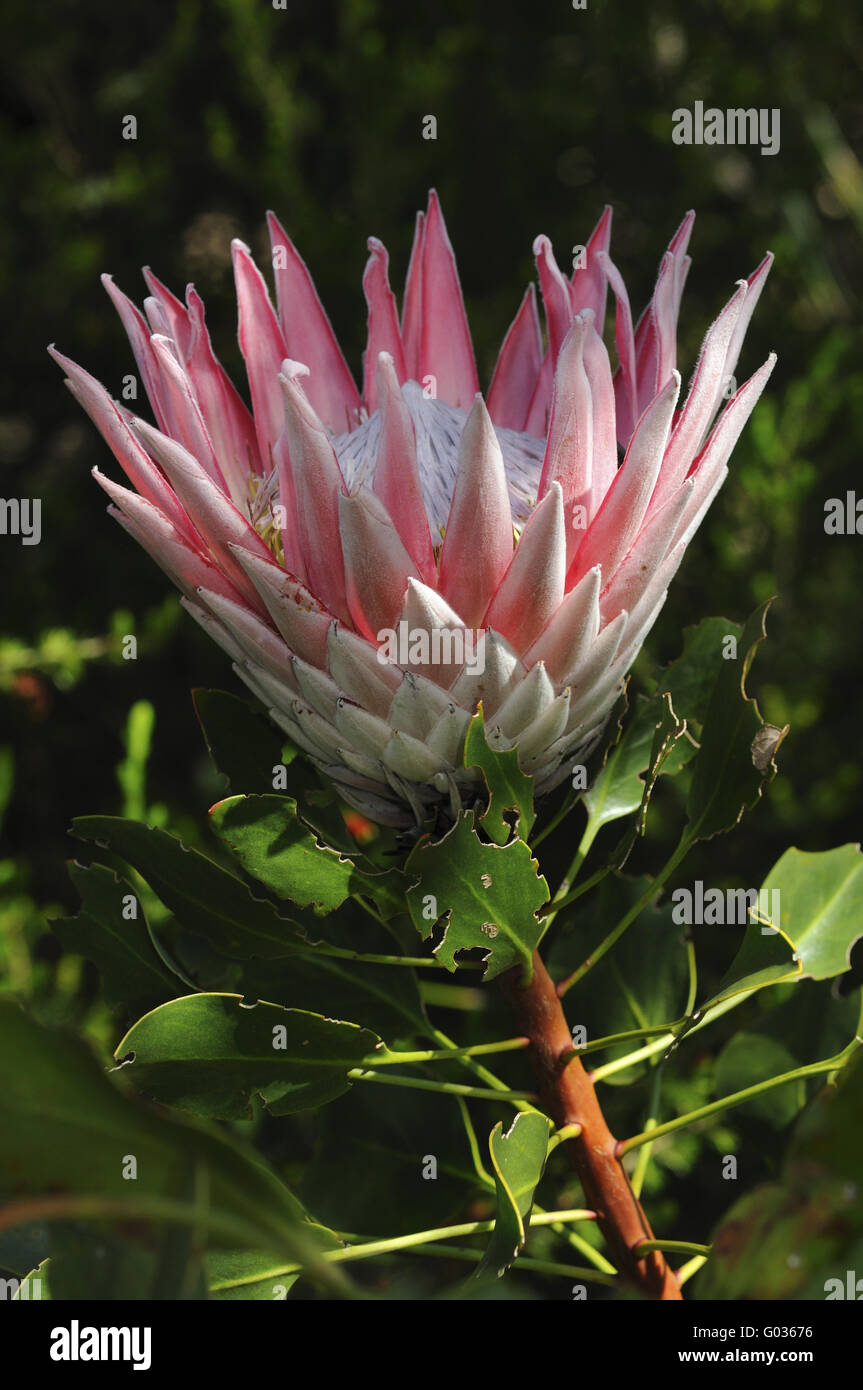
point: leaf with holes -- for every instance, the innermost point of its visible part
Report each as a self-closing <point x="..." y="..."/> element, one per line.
<point x="821" y="906"/>
<point x="510" y="791"/>
<point x="518" y="1160"/>
<point x="490" y="895"/>
<point x="726" y="781"/>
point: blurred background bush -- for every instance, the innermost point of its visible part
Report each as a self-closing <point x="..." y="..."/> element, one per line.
<point x="544" y="114"/>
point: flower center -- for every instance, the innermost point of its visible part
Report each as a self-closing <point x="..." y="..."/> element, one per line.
<point x="438" y="429"/>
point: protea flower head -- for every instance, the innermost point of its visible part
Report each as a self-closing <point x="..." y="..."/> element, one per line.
<point x="377" y="562"/>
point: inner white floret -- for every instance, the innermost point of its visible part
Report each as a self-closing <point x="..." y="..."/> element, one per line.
<point x="438" y="432"/>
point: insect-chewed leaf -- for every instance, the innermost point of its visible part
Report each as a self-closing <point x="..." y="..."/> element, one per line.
<point x="490" y="893"/>
<point x="518" y="1159"/>
<point x="509" y="789"/>
<point x="726" y="781"/>
<point x="820" y="898"/>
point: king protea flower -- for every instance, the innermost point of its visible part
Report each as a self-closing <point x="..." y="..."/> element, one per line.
<point x="377" y="562"/>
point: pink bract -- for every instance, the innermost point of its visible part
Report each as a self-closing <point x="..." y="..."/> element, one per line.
<point x="378" y="561"/>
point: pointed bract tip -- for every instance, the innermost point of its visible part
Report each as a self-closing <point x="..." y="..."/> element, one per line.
<point x="291" y="370"/>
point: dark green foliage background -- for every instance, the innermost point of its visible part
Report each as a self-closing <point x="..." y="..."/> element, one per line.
<point x="544" y="114"/>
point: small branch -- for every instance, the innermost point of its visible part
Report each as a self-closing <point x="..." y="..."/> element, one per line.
<point x="692" y="965"/>
<point x="560" y="898"/>
<point x="736" y="1098"/>
<point x="562" y="811"/>
<point x="450" y="1088"/>
<point x="644" y="1156"/>
<point x="626" y="921"/>
<point x="561" y="1135"/>
<point x="369" y="1249"/>
<point x="584" y="1247"/>
<point x="476" y="1158"/>
<point x="579" y="1272"/>
<point x="374" y="958"/>
<point x="662" y="1043"/>
<point x="568" y="1095"/>
<point x="392" y="1059"/>
<point x="557" y="905"/>
<point x="612" y="1039"/>
<point x="480" y="1071"/>
<point x="675" y="1247"/>
<point x="685" y="1272"/>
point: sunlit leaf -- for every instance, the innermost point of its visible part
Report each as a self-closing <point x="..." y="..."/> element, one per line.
<point x="518" y="1160"/>
<point x="210" y="1053"/>
<point x="489" y="894"/>
<point x="510" y="790"/>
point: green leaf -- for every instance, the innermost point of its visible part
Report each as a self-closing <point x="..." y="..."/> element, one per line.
<point x="242" y="743"/>
<point x="35" y="1285"/>
<point x="809" y="1026"/>
<point x="509" y="789"/>
<point x="820" y="898"/>
<point x="669" y="736"/>
<point x="766" y="957"/>
<point x="246" y="1275"/>
<point x="518" y="1161"/>
<point x="821" y="906"/>
<point x="382" y="1147"/>
<point x="270" y="841"/>
<point x="619" y="788"/>
<point x="204" y="897"/>
<point x="117" y="944"/>
<point x="801" y="1238"/>
<point x="209" y="1053"/>
<point x="266" y="836"/>
<point x="383" y="998"/>
<point x="246" y="747"/>
<point x="690" y="679"/>
<point x="491" y="895"/>
<point x="726" y="781"/>
<point x="67" y="1128"/>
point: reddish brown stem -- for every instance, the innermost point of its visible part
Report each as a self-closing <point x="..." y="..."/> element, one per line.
<point x="569" y="1097"/>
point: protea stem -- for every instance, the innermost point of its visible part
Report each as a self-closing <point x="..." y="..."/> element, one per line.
<point x="568" y="1095"/>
